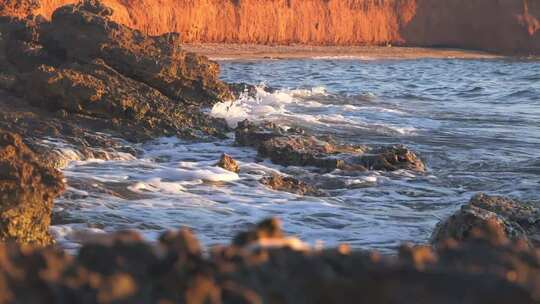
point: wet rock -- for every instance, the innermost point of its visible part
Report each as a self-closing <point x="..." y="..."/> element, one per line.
<point x="239" y="89"/>
<point x="290" y="184"/>
<point x="291" y="147"/>
<point x="244" y="89"/>
<point x="516" y="220"/>
<point x="84" y="32"/>
<point x="391" y="159"/>
<point x="27" y="190"/>
<point x="228" y="163"/>
<point x="250" y="134"/>
<point x="522" y="213"/>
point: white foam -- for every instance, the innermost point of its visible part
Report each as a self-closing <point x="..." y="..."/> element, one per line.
<point x="311" y="107"/>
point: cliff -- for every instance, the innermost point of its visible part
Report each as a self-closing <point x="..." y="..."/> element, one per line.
<point x="504" y="26"/>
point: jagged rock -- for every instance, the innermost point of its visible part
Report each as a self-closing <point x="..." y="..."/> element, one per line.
<point x="18" y="8"/>
<point x="517" y="220"/>
<point x="250" y="134"/>
<point x="292" y="147"/>
<point x="84" y="32"/>
<point x="228" y="163"/>
<point x="390" y="159"/>
<point x="98" y="90"/>
<point x="526" y="215"/>
<point x="27" y="190"/>
<point x="290" y="184"/>
<point x="51" y="87"/>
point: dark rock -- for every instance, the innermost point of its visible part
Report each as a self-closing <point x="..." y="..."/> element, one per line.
<point x="228" y="163"/>
<point x="292" y="147"/>
<point x="516" y="220"/>
<point x="182" y="241"/>
<point x="526" y="215"/>
<point x="18" y="8"/>
<point x="124" y="269"/>
<point x="391" y="159"/>
<point x="97" y="90"/>
<point x="27" y="190"/>
<point x="269" y="228"/>
<point x="250" y="134"/>
<point x="84" y="74"/>
<point x="290" y="184"/>
<point x="240" y="89"/>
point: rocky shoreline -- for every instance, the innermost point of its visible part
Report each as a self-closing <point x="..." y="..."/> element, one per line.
<point x="84" y="81"/>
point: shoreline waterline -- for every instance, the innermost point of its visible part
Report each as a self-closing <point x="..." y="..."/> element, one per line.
<point x="224" y="51"/>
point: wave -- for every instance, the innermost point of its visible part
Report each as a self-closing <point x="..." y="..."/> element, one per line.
<point x="314" y="108"/>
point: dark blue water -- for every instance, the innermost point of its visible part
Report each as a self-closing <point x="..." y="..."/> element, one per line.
<point x="476" y="124"/>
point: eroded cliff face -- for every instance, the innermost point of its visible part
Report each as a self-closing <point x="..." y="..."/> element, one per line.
<point x="505" y="26"/>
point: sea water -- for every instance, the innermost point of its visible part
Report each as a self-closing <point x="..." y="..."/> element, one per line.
<point x="476" y="124"/>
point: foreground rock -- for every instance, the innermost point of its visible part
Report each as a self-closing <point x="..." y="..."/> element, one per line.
<point x="27" y="190"/>
<point x="518" y="220"/>
<point x="291" y="147"/>
<point x="263" y="265"/>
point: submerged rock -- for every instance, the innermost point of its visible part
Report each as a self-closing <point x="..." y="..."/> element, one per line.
<point x="292" y="147"/>
<point x="228" y="163"/>
<point x="290" y="184"/>
<point x="27" y="190"/>
<point x="516" y="219"/>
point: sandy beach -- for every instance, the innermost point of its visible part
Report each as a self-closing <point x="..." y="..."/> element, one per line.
<point x="252" y="51"/>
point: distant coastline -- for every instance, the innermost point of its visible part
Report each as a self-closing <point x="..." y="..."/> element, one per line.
<point x="510" y="27"/>
<point x="234" y="51"/>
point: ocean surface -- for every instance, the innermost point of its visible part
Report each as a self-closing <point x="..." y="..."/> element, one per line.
<point x="476" y="124"/>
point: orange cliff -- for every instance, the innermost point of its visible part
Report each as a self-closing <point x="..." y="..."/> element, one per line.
<point x="503" y="26"/>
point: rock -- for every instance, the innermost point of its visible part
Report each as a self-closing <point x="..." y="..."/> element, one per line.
<point x="516" y="220"/>
<point x="391" y="159"/>
<point x="120" y="83"/>
<point x="27" y="190"/>
<point x="524" y="214"/>
<point x="301" y="150"/>
<point x="269" y="229"/>
<point x="262" y="266"/>
<point x="290" y="184"/>
<point x="292" y="147"/>
<point x="97" y="90"/>
<point x="182" y="241"/>
<point x="83" y="32"/>
<point x="228" y="163"/>
<point x="250" y="134"/>
<point x="18" y="8"/>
